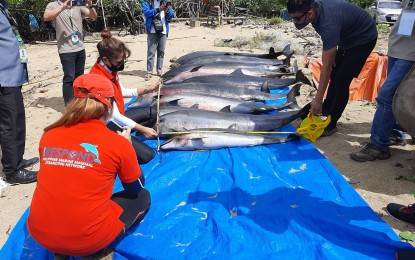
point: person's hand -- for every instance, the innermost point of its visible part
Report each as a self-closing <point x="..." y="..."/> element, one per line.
<point x="88" y="3"/>
<point x="67" y="5"/>
<point x="149" y="132"/>
<point x="153" y="87"/>
<point x="316" y="106"/>
<point x="126" y="133"/>
<point x="162" y="8"/>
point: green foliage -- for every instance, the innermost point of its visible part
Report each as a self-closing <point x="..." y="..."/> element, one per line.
<point x="407" y="235"/>
<point x="115" y="12"/>
<point x="362" y="3"/>
<point x="383" y="28"/>
<point x="275" y="20"/>
<point x="263" y="8"/>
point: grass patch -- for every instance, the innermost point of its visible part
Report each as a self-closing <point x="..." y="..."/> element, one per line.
<point x="383" y="28"/>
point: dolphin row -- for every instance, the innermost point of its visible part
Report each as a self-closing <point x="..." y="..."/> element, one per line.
<point x="223" y="93"/>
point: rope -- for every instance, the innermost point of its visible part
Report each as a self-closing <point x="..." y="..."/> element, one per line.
<point x="158" y="118"/>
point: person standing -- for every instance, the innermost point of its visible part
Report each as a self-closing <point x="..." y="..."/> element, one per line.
<point x="401" y="58"/>
<point x="67" y="20"/>
<point x="13" y="74"/>
<point x="73" y="210"/>
<point x="349" y="35"/>
<point x="158" y="13"/>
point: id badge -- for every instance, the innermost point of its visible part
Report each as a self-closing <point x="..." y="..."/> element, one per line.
<point x="23" y="53"/>
<point x="406" y="25"/>
<point x="75" y="38"/>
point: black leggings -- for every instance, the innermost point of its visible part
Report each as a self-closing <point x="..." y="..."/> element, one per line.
<point x="348" y="65"/>
<point x="145" y="117"/>
<point x="135" y="207"/>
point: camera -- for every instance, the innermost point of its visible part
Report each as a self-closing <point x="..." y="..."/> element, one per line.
<point x="78" y="3"/>
<point x="113" y="126"/>
<point x="166" y="3"/>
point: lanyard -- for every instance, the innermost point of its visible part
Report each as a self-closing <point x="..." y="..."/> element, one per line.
<point x="22" y="46"/>
<point x="70" y="18"/>
<point x="13" y="23"/>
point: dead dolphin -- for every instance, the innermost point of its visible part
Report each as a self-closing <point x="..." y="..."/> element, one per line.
<point x="184" y="72"/>
<point x="215" y="103"/>
<point x="209" y="140"/>
<point x="190" y="119"/>
<point x="221" y="90"/>
<point x="270" y="55"/>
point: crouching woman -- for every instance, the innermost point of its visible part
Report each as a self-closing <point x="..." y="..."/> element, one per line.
<point x="73" y="211"/>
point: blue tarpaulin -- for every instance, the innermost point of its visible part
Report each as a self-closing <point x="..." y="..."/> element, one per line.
<point x="281" y="201"/>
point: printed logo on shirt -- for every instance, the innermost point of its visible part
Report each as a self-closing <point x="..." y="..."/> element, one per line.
<point x="72" y="158"/>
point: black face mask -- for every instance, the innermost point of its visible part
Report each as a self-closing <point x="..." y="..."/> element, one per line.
<point x="119" y="67"/>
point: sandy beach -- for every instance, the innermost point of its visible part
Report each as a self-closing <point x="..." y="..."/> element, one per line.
<point x="378" y="182"/>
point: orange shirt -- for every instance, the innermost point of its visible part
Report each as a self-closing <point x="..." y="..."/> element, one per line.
<point x="71" y="212"/>
<point x="99" y="69"/>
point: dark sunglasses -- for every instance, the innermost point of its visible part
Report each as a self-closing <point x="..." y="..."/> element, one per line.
<point x="298" y="18"/>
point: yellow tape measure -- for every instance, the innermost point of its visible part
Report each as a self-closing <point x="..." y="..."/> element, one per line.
<point x="312" y="127"/>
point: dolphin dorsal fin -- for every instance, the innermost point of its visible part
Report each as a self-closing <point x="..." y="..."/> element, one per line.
<point x="232" y="127"/>
<point x="226" y="109"/>
<point x="196" y="68"/>
<point x="238" y="72"/>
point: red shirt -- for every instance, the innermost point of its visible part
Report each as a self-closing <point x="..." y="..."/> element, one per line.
<point x="71" y="212"/>
<point x="99" y="69"/>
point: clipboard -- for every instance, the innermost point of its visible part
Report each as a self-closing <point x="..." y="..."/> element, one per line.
<point x="406" y="24"/>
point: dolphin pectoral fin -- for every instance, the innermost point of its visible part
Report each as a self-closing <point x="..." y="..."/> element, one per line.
<point x="226" y="109"/>
<point x="195" y="106"/>
<point x="97" y="161"/>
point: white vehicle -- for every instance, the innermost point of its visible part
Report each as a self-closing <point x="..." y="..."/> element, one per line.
<point x="386" y="11"/>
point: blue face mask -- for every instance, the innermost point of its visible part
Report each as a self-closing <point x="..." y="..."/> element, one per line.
<point x="300" y="26"/>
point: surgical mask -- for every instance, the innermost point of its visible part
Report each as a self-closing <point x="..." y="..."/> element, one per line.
<point x="300" y="26"/>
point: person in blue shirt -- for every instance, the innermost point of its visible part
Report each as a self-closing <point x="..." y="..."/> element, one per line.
<point x="156" y="11"/>
<point x="13" y="74"/>
<point x="349" y="35"/>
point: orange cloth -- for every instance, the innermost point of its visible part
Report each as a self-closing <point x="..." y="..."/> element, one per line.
<point x="99" y="69"/>
<point x="369" y="81"/>
<point x="71" y="211"/>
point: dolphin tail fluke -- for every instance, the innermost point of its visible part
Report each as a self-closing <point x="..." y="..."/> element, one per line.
<point x="305" y="111"/>
<point x="287" y="60"/>
<point x="287" y="50"/>
<point x="300" y="77"/>
<point x="291" y="100"/>
<point x="265" y="87"/>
